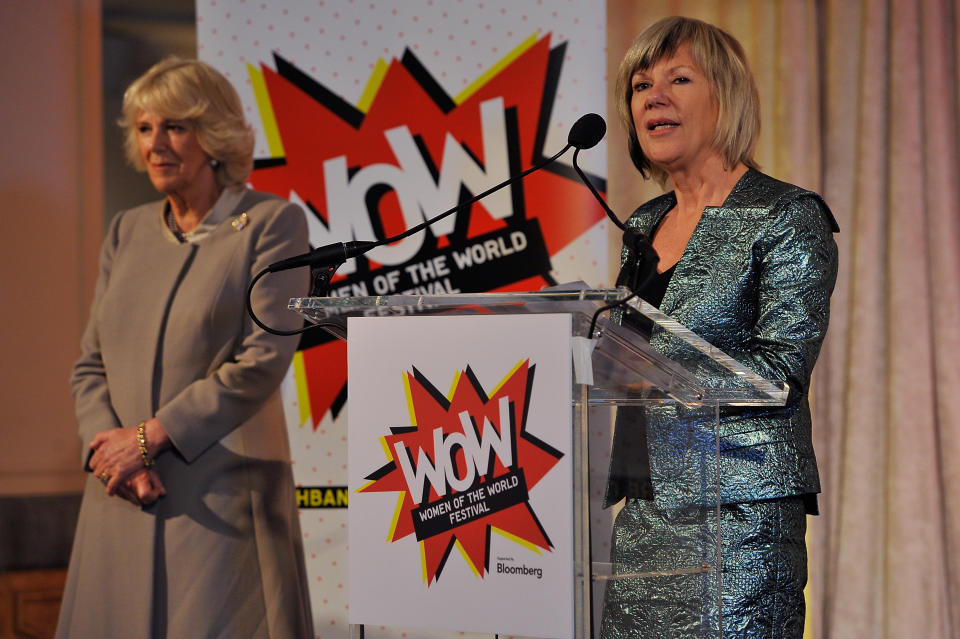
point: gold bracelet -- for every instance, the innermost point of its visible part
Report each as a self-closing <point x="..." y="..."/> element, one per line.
<point x="142" y="444"/>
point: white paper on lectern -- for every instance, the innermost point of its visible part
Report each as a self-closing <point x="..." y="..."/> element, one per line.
<point x="522" y="592"/>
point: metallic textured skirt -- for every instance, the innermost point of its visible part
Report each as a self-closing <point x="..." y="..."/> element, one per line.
<point x="764" y="570"/>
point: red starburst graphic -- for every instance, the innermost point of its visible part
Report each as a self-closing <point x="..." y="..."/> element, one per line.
<point x="551" y="208"/>
<point x="464" y="469"/>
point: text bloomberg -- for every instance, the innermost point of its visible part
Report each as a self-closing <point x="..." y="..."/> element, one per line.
<point x="519" y="570"/>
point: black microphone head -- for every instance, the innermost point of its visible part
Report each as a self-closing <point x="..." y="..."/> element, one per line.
<point x="587" y="132"/>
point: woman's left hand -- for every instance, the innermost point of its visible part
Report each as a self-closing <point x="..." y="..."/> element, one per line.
<point x="146" y="486"/>
<point x="116" y="456"/>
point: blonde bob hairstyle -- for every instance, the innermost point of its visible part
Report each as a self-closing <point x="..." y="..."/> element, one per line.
<point x="722" y="60"/>
<point x="178" y="89"/>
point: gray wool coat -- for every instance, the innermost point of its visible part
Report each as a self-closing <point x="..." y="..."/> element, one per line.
<point x="221" y="554"/>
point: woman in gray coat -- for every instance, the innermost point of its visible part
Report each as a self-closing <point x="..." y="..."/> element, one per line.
<point x="188" y="526"/>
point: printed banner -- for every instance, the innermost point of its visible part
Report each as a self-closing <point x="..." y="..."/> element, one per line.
<point x="374" y="115"/>
<point x="461" y="511"/>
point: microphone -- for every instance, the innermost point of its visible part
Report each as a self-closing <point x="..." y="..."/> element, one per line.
<point x="587" y="132"/>
<point x="335" y="253"/>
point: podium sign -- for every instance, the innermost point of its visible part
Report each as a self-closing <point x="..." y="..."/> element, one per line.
<point x="460" y="473"/>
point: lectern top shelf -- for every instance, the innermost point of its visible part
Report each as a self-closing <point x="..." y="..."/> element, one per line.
<point x="659" y="361"/>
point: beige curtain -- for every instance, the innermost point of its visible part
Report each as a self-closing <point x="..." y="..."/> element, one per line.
<point x="860" y="102"/>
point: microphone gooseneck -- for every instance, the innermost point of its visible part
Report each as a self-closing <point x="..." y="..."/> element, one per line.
<point x="603" y="204"/>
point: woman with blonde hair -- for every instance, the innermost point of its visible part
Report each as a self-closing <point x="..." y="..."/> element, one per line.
<point x="188" y="525"/>
<point x="748" y="263"/>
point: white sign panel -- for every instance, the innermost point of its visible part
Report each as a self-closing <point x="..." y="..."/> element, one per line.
<point x="460" y="473"/>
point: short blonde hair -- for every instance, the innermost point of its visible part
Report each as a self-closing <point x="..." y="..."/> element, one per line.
<point x="180" y="89"/>
<point x="722" y="60"/>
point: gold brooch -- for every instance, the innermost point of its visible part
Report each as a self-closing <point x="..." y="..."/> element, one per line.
<point x="239" y="222"/>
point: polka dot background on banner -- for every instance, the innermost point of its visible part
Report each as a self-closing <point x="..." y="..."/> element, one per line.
<point x="338" y="42"/>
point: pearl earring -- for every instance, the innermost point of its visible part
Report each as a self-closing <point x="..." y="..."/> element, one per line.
<point x="214" y="163"/>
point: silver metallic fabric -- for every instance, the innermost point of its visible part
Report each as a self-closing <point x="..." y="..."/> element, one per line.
<point x="755" y="281"/>
<point x="764" y="570"/>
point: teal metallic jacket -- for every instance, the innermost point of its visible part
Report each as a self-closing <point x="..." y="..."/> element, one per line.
<point x="755" y="281"/>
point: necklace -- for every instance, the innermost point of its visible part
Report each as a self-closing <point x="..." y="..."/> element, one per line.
<point x="172" y="225"/>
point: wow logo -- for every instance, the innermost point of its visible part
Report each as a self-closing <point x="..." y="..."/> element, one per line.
<point x="464" y="469"/>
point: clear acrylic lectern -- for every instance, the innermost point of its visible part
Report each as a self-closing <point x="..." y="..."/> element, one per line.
<point x="618" y="367"/>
